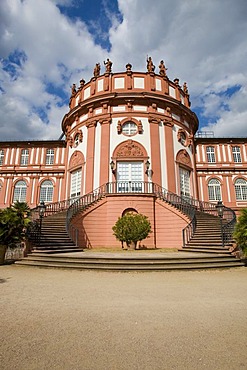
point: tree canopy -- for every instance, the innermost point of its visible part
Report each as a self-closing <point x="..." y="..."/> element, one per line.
<point x="131" y="228"/>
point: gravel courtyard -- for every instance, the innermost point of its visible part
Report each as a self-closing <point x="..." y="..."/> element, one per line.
<point x="64" y="319"/>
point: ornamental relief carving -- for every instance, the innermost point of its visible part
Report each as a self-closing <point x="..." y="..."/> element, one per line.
<point x="184" y="158"/>
<point x="76" y="160"/>
<point x="130" y="149"/>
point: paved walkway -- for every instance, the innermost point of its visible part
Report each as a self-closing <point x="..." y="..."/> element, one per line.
<point x="64" y="320"/>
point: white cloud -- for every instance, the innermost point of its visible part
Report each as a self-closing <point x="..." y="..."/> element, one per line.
<point x="57" y="51"/>
<point x="203" y="43"/>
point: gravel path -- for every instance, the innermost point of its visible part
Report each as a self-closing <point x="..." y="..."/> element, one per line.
<point x="60" y="319"/>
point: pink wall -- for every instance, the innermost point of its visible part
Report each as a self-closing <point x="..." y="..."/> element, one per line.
<point x="95" y="225"/>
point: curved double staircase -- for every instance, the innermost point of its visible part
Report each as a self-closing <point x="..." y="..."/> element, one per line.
<point x="207" y="239"/>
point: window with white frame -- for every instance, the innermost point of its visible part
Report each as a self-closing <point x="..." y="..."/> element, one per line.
<point x="24" y="157"/>
<point x="214" y="190"/>
<point x="184" y="176"/>
<point x="241" y="189"/>
<point x="46" y="191"/>
<point x="130" y="176"/>
<point x="210" y="154"/>
<point x="20" y="191"/>
<point x="1" y="157"/>
<point x="129" y="128"/>
<point x="75" y="188"/>
<point x="49" y="156"/>
<point x="236" y="154"/>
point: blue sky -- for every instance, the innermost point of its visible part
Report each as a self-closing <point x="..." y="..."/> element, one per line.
<point x="46" y="45"/>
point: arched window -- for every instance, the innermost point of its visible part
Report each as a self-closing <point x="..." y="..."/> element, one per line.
<point x="214" y="191"/>
<point x="46" y="191"/>
<point x="241" y="189"/>
<point x="20" y="191"/>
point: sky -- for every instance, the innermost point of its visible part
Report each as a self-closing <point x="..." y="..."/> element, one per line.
<point x="47" y="45"/>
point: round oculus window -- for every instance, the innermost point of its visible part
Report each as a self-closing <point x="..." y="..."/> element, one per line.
<point x="129" y="128"/>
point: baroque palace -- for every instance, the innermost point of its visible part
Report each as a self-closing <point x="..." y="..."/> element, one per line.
<point x="130" y="139"/>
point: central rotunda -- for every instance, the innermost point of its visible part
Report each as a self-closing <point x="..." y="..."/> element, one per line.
<point x="130" y="140"/>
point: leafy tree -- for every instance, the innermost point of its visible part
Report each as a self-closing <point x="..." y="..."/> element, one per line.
<point x="13" y="225"/>
<point x="240" y="232"/>
<point x="131" y="228"/>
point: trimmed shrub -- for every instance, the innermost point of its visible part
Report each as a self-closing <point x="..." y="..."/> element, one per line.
<point x="131" y="228"/>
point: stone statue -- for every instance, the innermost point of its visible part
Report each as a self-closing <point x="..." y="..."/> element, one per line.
<point x="150" y="65"/>
<point x="73" y="90"/>
<point x="82" y="83"/>
<point x="162" y="68"/>
<point x="96" y="71"/>
<point x="128" y="67"/>
<point x="185" y="88"/>
<point x="108" y="65"/>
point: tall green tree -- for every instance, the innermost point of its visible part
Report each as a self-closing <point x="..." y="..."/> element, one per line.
<point x="240" y="232"/>
<point x="131" y="228"/>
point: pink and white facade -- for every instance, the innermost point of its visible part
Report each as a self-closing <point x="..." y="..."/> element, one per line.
<point x="128" y="130"/>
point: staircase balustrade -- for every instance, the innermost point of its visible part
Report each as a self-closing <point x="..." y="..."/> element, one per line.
<point x="185" y="204"/>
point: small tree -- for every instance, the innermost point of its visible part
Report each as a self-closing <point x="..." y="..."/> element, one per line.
<point x="240" y="232"/>
<point x="131" y="228"/>
<point x="13" y="225"/>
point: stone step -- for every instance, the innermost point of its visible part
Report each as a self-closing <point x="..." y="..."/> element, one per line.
<point x="132" y="267"/>
<point x="205" y="250"/>
<point x="44" y="245"/>
<point x="67" y="249"/>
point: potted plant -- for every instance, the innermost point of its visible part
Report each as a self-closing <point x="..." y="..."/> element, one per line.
<point x="131" y="228"/>
<point x="13" y="225"/>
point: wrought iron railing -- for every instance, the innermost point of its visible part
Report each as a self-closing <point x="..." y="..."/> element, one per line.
<point x="185" y="204"/>
<point x="52" y="208"/>
<point x="229" y="221"/>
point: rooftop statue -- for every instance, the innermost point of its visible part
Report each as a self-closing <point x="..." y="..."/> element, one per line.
<point x="82" y="83"/>
<point x="96" y="71"/>
<point x="73" y="90"/>
<point x="150" y="65"/>
<point x="162" y="68"/>
<point x="108" y="65"/>
<point x="185" y="88"/>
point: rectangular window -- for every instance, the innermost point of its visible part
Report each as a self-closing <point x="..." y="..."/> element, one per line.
<point x="236" y="154"/>
<point x="24" y="157"/>
<point x="130" y="177"/>
<point x="49" y="156"/>
<point x="1" y="157"/>
<point x="75" y="189"/>
<point x="210" y="154"/>
<point x="184" y="182"/>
